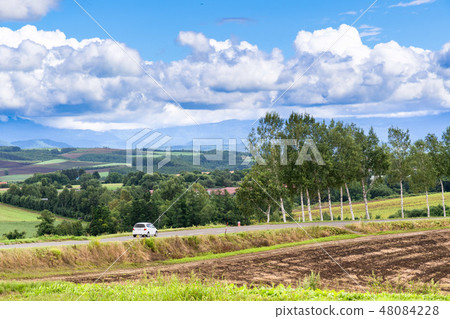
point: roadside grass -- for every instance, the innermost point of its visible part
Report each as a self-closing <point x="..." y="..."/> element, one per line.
<point x="150" y="250"/>
<point x="382" y="207"/>
<point x="193" y="289"/>
<point x="388" y="227"/>
<point x="25" y="227"/>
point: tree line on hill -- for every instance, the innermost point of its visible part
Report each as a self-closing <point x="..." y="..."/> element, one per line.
<point x="170" y="201"/>
<point x="300" y="157"/>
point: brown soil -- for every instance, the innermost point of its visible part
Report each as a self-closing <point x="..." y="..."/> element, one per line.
<point x="76" y="155"/>
<point x="419" y="256"/>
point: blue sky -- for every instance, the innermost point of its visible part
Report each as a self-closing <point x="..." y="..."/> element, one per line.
<point x="151" y="27"/>
<point x="223" y="60"/>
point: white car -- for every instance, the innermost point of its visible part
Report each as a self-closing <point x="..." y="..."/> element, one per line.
<point x="145" y="230"/>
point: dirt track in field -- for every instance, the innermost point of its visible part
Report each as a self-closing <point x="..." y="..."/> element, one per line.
<point x="419" y="256"/>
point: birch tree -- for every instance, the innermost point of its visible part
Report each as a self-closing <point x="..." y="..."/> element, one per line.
<point x="251" y="198"/>
<point x="297" y="176"/>
<point x="400" y="168"/>
<point x="270" y="129"/>
<point x="423" y="174"/>
<point x="374" y="162"/>
<point x="346" y="156"/>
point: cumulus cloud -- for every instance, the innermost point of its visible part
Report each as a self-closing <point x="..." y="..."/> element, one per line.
<point x="411" y="3"/>
<point x="95" y="84"/>
<point x="20" y="10"/>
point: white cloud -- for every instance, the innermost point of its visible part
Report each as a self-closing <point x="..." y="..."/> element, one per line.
<point x="93" y="84"/>
<point x="368" y="30"/>
<point x="19" y="10"/>
<point x="411" y="3"/>
<point x="196" y="41"/>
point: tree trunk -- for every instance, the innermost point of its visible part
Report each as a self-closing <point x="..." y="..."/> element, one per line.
<point x="428" y="204"/>
<point x="268" y="214"/>
<point x="342" y="204"/>
<point x="309" y="205"/>
<point x="283" y="211"/>
<point x="320" y="205"/>
<point x="329" y="204"/>
<point x="350" y="201"/>
<point x="443" y="196"/>
<point x="365" y="198"/>
<point x="303" y="206"/>
<point x="401" y="197"/>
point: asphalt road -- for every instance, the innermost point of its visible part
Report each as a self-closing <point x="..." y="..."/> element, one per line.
<point x="206" y="231"/>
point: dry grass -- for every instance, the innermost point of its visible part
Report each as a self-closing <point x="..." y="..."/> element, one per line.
<point x="369" y="228"/>
<point x="153" y="249"/>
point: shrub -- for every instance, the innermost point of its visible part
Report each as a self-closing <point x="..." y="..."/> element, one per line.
<point x="15" y="234"/>
<point x="67" y="228"/>
<point x="435" y="211"/>
<point x="46" y="226"/>
<point x="380" y="190"/>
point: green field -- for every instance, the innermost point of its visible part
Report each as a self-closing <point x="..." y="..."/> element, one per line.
<point x="15" y="178"/>
<point x="22" y="219"/>
<point x="9" y="213"/>
<point x="112" y="186"/>
<point x="53" y="161"/>
<point x="382" y="207"/>
<point x="108" y="165"/>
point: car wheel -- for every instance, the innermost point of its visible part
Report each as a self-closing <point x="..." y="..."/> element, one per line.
<point x="156" y="234"/>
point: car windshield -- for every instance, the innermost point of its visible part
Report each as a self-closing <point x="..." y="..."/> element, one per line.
<point x="139" y="226"/>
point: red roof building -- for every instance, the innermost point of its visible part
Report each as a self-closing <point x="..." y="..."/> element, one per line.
<point x="221" y="191"/>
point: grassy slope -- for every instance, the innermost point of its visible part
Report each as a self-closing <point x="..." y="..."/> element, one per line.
<point x="53" y="161"/>
<point x="112" y="186"/>
<point x="9" y="213"/>
<point x="15" y="178"/>
<point x="382" y="207"/>
<point x="12" y="217"/>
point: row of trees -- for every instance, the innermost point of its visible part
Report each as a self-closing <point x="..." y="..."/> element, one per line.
<point x="307" y="158"/>
<point x="145" y="199"/>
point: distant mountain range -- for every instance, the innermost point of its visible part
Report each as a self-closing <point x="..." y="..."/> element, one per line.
<point x="28" y="134"/>
<point x="40" y="143"/>
<point x="19" y="131"/>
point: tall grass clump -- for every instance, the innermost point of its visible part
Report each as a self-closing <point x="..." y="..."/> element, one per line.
<point x="311" y="281"/>
<point x="377" y="284"/>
